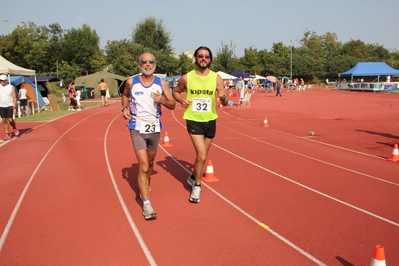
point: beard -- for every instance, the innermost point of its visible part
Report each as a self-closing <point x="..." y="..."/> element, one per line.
<point x="202" y="66"/>
<point x="147" y="72"/>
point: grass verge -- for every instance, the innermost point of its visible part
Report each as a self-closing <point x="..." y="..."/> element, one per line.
<point x="48" y="115"/>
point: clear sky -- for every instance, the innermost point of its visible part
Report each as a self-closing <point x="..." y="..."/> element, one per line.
<point x="253" y="23"/>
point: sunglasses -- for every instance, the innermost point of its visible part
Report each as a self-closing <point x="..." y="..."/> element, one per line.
<point x="151" y="61"/>
<point x="203" y="56"/>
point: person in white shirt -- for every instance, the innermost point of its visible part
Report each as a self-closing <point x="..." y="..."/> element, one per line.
<point x="142" y="99"/>
<point x="8" y="107"/>
<point x="77" y="98"/>
<point x="23" y="100"/>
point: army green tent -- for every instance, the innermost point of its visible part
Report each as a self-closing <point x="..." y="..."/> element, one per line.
<point x="113" y="82"/>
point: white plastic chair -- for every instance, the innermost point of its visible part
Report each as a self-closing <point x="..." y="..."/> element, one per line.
<point x="247" y="98"/>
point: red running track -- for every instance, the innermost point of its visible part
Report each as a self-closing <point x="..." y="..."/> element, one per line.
<point x="69" y="196"/>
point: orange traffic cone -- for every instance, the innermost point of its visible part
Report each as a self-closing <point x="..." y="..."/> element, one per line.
<point x="395" y="154"/>
<point x="378" y="256"/>
<point x="265" y="123"/>
<point x="209" y="175"/>
<point x="166" y="142"/>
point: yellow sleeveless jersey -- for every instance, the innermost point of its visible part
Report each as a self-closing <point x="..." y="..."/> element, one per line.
<point x="201" y="91"/>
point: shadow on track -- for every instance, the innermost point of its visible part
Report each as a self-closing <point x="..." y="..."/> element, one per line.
<point x="344" y="262"/>
<point x="181" y="175"/>
<point x="387" y="135"/>
<point x="130" y="175"/>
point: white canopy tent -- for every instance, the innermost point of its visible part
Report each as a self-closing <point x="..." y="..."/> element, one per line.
<point x="259" y="77"/>
<point x="225" y="75"/>
<point x="6" y="67"/>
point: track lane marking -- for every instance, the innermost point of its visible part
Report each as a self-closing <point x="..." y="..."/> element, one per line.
<point x="318" y="160"/>
<point x="301" y="251"/>
<point x="305" y="138"/>
<point x="129" y="217"/>
<point x="14" y="213"/>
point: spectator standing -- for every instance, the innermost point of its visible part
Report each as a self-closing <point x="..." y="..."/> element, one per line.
<point x="102" y="87"/>
<point x="278" y="88"/>
<point x="8" y="107"/>
<point x="71" y="94"/>
<point x="77" y="98"/>
<point x="241" y="90"/>
<point x="23" y="100"/>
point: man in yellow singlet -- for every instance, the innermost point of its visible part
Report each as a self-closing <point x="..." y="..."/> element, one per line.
<point x="202" y="86"/>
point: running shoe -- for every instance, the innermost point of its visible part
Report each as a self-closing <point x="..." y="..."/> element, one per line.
<point x="16" y="132"/>
<point x="8" y="137"/>
<point x="148" y="212"/>
<point x="195" y="194"/>
<point x="191" y="180"/>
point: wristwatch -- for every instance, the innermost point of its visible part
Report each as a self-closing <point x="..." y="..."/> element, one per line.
<point x="123" y="108"/>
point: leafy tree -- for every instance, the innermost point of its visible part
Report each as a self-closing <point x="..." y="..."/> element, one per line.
<point x="28" y="47"/>
<point x="378" y="53"/>
<point x="281" y="50"/>
<point x="185" y="65"/>
<point x="330" y="45"/>
<point x="226" y="60"/>
<point x="355" y="48"/>
<point x="69" y="72"/>
<point x="151" y="33"/>
<point x="81" y="47"/>
<point x="166" y="64"/>
<point x="251" y="61"/>
<point x="122" y="57"/>
<point x="276" y="65"/>
<point x="339" y="64"/>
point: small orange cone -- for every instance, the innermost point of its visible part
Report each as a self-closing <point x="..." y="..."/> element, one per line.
<point x="265" y="123"/>
<point x="166" y="142"/>
<point x="209" y="175"/>
<point x="378" y="256"/>
<point x="395" y="154"/>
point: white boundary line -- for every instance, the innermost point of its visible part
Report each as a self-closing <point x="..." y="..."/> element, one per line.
<point x="301" y="251"/>
<point x="25" y="190"/>
<point x="321" y="161"/>
<point x="306" y="138"/>
<point x="136" y="231"/>
<point x="290" y="180"/>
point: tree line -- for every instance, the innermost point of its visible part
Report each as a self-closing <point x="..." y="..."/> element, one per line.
<point x="70" y="53"/>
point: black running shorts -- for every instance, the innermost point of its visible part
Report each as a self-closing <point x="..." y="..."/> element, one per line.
<point x="208" y="129"/>
<point x="6" y="112"/>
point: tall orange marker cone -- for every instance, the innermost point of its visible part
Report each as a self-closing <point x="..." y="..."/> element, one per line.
<point x="395" y="154"/>
<point x="265" y="123"/>
<point x="378" y="256"/>
<point x="209" y="175"/>
<point x="166" y="142"/>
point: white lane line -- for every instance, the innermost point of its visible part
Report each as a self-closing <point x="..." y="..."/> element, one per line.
<point x="305" y="138"/>
<point x="318" y="160"/>
<point x="22" y="196"/>
<point x="309" y="188"/>
<point x="136" y="231"/>
<point x="301" y="251"/>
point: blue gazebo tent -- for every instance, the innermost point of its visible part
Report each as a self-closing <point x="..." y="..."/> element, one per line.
<point x="370" y="69"/>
